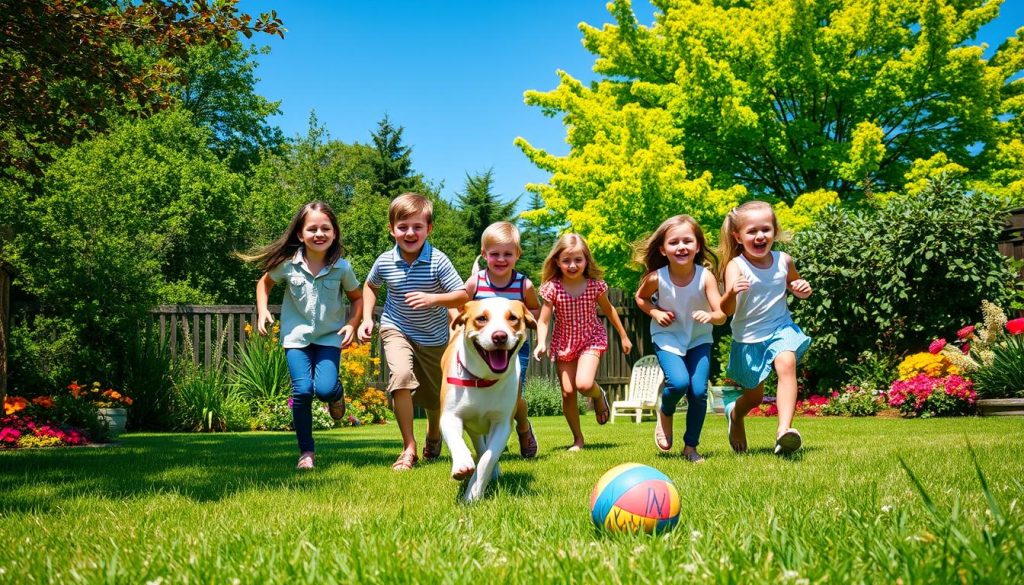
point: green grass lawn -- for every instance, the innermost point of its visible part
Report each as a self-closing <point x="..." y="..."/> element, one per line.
<point x="229" y="508"/>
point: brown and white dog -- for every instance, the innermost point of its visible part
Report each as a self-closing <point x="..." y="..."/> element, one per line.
<point x="481" y="386"/>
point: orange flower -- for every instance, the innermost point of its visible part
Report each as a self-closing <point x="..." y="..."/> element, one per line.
<point x="127" y="401"/>
<point x="44" y="401"/>
<point x="76" y="388"/>
<point x="13" y="404"/>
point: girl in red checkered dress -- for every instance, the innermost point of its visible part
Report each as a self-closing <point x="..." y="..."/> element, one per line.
<point x="572" y="290"/>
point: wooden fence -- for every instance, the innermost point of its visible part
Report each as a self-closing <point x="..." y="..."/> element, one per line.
<point x="208" y="334"/>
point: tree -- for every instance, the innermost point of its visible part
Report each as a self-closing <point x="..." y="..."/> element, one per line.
<point x="393" y="164"/>
<point x="536" y="241"/>
<point x="219" y="89"/>
<point x="787" y="97"/>
<point x="480" y="207"/>
<point x="66" y="66"/>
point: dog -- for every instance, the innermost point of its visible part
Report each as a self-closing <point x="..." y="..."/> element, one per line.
<point x="480" y="386"/>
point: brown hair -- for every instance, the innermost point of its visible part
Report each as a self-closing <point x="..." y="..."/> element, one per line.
<point x="284" y="247"/>
<point x="648" y="254"/>
<point x="728" y="247"/>
<point x="551" y="270"/>
<point x="409" y="204"/>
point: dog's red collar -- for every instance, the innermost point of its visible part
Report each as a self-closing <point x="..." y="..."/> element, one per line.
<point x="467" y="378"/>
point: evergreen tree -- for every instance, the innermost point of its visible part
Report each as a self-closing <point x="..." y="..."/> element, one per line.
<point x="536" y="240"/>
<point x="480" y="206"/>
<point x="393" y="165"/>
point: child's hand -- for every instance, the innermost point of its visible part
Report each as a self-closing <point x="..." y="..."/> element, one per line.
<point x="366" y="330"/>
<point x="540" y="351"/>
<point x="801" y="289"/>
<point x="741" y="284"/>
<point x="702" y="317"/>
<point x="419" y="299"/>
<point x="627" y="345"/>
<point x="347" y="333"/>
<point x="663" y="318"/>
<point x="264" y="319"/>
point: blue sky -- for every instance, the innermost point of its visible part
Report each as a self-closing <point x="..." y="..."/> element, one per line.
<point x="452" y="73"/>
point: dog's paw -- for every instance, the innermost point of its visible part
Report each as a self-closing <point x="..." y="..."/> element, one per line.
<point x="461" y="472"/>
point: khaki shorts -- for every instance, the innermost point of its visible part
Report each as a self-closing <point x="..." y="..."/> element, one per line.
<point x="414" y="367"/>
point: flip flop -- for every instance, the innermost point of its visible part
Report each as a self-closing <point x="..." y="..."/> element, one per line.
<point x="405" y="461"/>
<point x="788" y="442"/>
<point x="605" y="412"/>
<point x="659" y="436"/>
<point x="305" y="460"/>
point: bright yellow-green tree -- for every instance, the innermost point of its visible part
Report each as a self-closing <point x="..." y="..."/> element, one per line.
<point x="720" y="99"/>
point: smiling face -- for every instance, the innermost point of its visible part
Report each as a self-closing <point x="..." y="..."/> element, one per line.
<point x="501" y="259"/>
<point x="756" y="233"/>
<point x="680" y="246"/>
<point x="573" y="264"/>
<point x="317" y="233"/>
<point x="411" y="232"/>
<point x="495" y="328"/>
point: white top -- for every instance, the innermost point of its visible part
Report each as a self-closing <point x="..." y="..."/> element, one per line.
<point x="684" y="332"/>
<point x="761" y="310"/>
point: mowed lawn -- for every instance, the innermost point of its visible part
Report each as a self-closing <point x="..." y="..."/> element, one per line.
<point x="230" y="508"/>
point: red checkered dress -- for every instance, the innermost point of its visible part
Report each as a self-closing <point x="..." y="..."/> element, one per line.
<point x="577" y="327"/>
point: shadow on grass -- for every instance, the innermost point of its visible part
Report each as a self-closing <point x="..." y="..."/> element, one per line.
<point x="201" y="467"/>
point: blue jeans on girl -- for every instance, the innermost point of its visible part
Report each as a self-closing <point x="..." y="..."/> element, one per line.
<point x="314" y="371"/>
<point x="686" y="376"/>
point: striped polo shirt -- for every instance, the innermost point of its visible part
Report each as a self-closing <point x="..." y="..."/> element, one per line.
<point x="432" y="272"/>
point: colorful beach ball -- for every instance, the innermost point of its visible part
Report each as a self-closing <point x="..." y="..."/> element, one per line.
<point x="632" y="497"/>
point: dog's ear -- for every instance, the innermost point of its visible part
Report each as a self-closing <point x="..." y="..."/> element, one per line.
<point x="460" y="320"/>
<point x="531" y="323"/>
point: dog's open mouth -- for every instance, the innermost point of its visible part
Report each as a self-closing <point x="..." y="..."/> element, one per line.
<point x="497" y="359"/>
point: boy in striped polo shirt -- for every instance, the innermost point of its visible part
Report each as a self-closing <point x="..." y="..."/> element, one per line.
<point x="413" y="328"/>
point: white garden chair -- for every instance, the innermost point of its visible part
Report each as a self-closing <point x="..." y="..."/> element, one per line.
<point x="644" y="389"/>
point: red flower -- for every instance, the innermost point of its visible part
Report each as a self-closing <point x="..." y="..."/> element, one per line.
<point x="1015" y="326"/>
<point x="966" y="348"/>
<point x="965" y="333"/>
<point x="937" y="345"/>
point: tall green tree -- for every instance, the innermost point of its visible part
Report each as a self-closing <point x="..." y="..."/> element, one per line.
<point x="480" y="206"/>
<point x="393" y="163"/>
<point x="536" y="239"/>
<point x="219" y="88"/>
<point x="68" y="69"/>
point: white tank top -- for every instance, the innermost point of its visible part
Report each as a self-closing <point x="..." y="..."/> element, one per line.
<point x="683" y="333"/>
<point x="761" y="310"/>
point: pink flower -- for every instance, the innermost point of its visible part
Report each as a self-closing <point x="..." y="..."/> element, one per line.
<point x="1015" y="326"/>
<point x="9" y="435"/>
<point x="966" y="332"/>
<point x="966" y="348"/>
<point x="937" y="345"/>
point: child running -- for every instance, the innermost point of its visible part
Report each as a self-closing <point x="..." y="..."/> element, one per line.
<point x="499" y="247"/>
<point x="763" y="332"/>
<point x="308" y="255"/>
<point x="572" y="290"/>
<point x="680" y="293"/>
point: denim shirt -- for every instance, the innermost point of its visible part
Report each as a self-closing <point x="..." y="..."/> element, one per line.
<point x="313" y="309"/>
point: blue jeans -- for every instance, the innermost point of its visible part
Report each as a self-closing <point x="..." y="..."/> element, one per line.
<point x="314" y="370"/>
<point x="686" y="376"/>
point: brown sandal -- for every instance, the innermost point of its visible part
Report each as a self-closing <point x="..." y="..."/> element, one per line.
<point x="405" y="462"/>
<point x="431" y="449"/>
<point x="527" y="443"/>
<point x="605" y="413"/>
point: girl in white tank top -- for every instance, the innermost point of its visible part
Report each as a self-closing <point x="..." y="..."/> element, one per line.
<point x="763" y="333"/>
<point x="682" y="298"/>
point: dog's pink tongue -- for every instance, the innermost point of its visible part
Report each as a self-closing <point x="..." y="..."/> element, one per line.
<point x="498" y="359"/>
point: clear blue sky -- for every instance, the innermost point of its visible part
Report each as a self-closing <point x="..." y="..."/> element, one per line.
<point x="452" y="73"/>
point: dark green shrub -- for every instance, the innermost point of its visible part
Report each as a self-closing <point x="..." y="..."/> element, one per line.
<point x="887" y="281"/>
<point x="544" y="397"/>
<point x="149" y="370"/>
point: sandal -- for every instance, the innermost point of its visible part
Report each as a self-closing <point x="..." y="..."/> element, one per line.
<point x="788" y="441"/>
<point x="431" y="449"/>
<point x="305" y="460"/>
<point x="405" y="461"/>
<point x="693" y="456"/>
<point x="527" y="443"/>
<point x="604" y="414"/>
<point x="336" y="408"/>
<point x="661" y="441"/>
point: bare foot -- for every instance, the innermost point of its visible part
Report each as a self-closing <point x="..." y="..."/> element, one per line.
<point x="737" y="433"/>
<point x="691" y="455"/>
<point x="577" y="446"/>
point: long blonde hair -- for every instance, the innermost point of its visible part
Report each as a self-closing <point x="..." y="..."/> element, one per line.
<point x="648" y="254"/>
<point x="551" y="270"/>
<point x="728" y="247"/>
<point x="284" y="247"/>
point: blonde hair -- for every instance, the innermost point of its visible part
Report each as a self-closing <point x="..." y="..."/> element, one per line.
<point x="648" y="254"/>
<point x="499" y="232"/>
<point x="284" y="247"/>
<point x="728" y="247"/>
<point x="551" y="270"/>
<point x="409" y="204"/>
